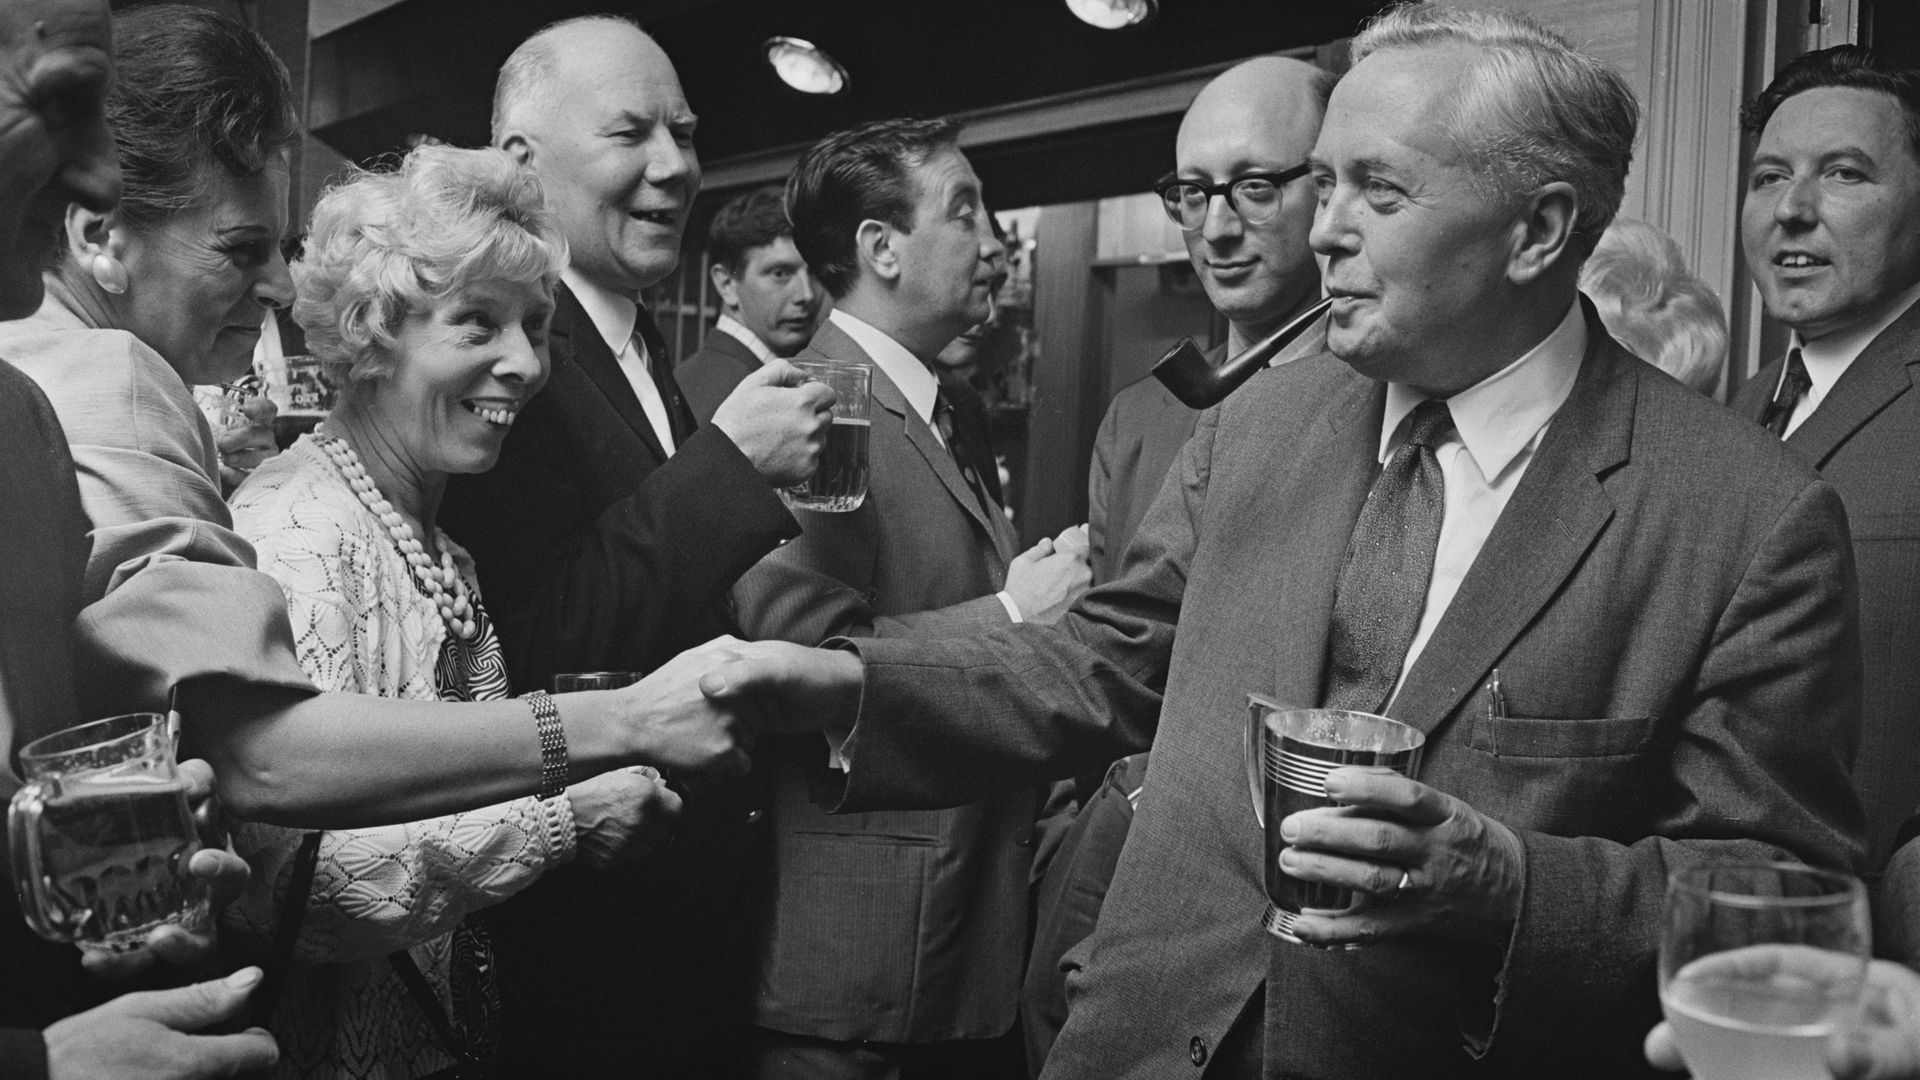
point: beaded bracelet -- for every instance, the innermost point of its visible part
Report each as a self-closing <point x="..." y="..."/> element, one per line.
<point x="553" y="743"/>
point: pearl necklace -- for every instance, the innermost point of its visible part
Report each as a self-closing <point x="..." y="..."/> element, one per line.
<point x="442" y="583"/>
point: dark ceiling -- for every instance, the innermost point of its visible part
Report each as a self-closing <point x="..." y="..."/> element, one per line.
<point x="427" y="66"/>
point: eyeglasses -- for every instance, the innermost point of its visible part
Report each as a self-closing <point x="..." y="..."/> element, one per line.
<point x="1254" y="196"/>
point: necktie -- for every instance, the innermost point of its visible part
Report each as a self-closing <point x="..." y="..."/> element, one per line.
<point x="679" y="418"/>
<point x="1383" y="584"/>
<point x="1793" y="386"/>
<point x="968" y="450"/>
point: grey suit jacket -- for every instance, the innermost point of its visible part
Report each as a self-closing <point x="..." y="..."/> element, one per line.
<point x="901" y="926"/>
<point x="1863" y="438"/>
<point x="1670" y="599"/>
<point x="708" y="376"/>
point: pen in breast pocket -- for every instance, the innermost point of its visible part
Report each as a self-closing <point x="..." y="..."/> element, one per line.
<point x="1496" y="697"/>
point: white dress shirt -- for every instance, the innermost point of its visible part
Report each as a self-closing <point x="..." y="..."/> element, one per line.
<point x="737" y="330"/>
<point x="615" y="316"/>
<point x="1829" y="357"/>
<point x="1497" y="424"/>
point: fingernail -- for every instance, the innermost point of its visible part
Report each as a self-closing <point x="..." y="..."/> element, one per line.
<point x="244" y="978"/>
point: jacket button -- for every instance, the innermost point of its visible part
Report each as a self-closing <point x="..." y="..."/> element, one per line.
<point x="1197" y="1051"/>
<point x="754" y="816"/>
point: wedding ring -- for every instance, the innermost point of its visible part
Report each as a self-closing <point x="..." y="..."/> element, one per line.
<point x="1406" y="879"/>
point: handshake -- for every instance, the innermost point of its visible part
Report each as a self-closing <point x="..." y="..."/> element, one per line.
<point x="703" y="709"/>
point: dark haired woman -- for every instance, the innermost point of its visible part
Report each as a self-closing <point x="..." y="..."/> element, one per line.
<point x="169" y="290"/>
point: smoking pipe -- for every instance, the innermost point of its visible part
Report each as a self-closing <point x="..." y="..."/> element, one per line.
<point x="1185" y="371"/>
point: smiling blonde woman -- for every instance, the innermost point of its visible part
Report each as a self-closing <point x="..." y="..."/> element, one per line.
<point x="427" y="291"/>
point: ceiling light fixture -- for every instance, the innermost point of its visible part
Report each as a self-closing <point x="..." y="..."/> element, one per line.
<point x="1114" y="14"/>
<point x="803" y="66"/>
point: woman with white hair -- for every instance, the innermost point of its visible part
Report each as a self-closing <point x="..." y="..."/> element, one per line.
<point x="1651" y="303"/>
<point x="427" y="291"/>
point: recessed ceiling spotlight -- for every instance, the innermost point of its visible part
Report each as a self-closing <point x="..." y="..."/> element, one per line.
<point x="1114" y="14"/>
<point x="803" y="66"/>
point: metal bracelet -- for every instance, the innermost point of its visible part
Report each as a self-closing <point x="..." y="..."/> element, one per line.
<point x="553" y="743"/>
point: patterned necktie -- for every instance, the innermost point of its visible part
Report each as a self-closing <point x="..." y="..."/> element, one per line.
<point x="1793" y="386"/>
<point x="964" y="450"/>
<point x="1383" y="584"/>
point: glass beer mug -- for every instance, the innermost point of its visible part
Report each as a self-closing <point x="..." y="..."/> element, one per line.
<point x="101" y="835"/>
<point x="840" y="483"/>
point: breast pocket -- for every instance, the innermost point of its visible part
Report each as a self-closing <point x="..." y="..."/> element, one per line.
<point x="1569" y="777"/>
<point x="1523" y="736"/>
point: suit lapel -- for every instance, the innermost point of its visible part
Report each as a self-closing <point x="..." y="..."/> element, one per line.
<point x="1306" y="522"/>
<point x="833" y="343"/>
<point x="1879" y="375"/>
<point x="575" y="335"/>
<point x="1554" y="516"/>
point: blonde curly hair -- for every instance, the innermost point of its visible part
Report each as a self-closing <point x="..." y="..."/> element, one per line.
<point x="389" y="243"/>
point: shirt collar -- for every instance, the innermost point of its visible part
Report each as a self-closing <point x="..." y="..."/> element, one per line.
<point x="612" y="314"/>
<point x="1829" y="357"/>
<point x="734" y="328"/>
<point x="1499" y="416"/>
<point x="909" y="375"/>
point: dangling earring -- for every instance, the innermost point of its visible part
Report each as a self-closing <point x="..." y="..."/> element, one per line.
<point x="109" y="273"/>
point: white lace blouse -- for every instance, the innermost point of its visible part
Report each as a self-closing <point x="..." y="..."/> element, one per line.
<point x="361" y="625"/>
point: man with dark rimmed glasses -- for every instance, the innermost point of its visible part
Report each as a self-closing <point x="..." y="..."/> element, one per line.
<point x="1241" y="197"/>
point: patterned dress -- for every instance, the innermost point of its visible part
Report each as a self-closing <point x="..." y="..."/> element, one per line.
<point x="362" y="624"/>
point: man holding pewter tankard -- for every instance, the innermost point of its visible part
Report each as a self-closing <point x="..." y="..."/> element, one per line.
<point x="1478" y="485"/>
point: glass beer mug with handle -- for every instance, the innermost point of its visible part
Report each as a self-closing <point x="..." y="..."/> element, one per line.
<point x="101" y="835"/>
<point x="1758" y="963"/>
<point x="840" y="483"/>
<point x="1289" y="753"/>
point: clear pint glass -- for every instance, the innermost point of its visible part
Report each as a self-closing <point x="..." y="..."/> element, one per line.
<point x="1289" y="753"/>
<point x="101" y="835"/>
<point x="840" y="484"/>
<point x="1758" y="963"/>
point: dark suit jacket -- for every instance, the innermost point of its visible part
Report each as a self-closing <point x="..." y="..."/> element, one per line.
<point x="708" y="376"/>
<point x="904" y="926"/>
<point x="1863" y="438"/>
<point x="1670" y="599"/>
<point x="1138" y="442"/>
<point x="43" y="560"/>
<point x="596" y="552"/>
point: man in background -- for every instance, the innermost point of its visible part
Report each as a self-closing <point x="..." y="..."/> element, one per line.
<point x="893" y="942"/>
<point x="1831" y="228"/>
<point x="1246" y="235"/>
<point x="608" y="535"/>
<point x="1243" y="201"/>
<point x="769" y="304"/>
